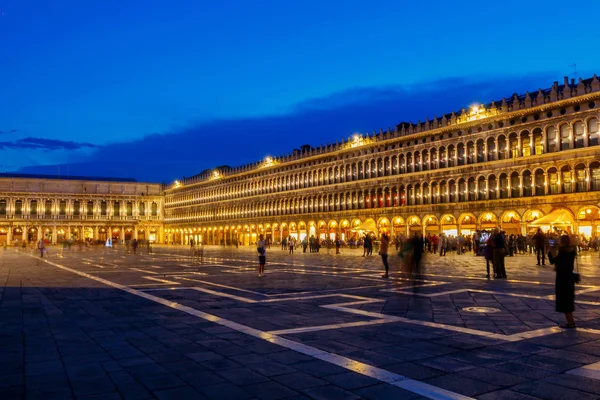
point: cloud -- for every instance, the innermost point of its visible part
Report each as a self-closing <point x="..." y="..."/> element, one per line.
<point x="44" y="144"/>
<point x="10" y="131"/>
<point x="188" y="151"/>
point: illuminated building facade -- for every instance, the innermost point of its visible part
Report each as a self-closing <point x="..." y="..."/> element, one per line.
<point x="59" y="209"/>
<point x="503" y="164"/>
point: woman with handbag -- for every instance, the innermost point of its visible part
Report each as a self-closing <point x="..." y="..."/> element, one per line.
<point x="563" y="257"/>
<point x="262" y="255"/>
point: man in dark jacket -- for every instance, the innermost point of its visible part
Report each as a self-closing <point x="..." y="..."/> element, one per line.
<point x="539" y="239"/>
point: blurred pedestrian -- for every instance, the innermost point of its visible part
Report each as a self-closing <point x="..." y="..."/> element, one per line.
<point x="383" y="252"/>
<point x="563" y="257"/>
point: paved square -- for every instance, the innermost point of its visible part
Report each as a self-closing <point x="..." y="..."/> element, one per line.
<point x="102" y="323"/>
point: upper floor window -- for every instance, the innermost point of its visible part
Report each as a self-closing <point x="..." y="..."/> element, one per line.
<point x="18" y="207"/>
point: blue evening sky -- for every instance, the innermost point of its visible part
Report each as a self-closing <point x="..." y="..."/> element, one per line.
<point x="158" y="89"/>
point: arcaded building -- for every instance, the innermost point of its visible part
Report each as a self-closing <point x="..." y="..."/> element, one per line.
<point x="503" y="164"/>
<point x="60" y="209"/>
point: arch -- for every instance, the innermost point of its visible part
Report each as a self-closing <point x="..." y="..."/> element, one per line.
<point x="532" y="214"/>
<point x="488" y="220"/>
<point x="588" y="221"/>
<point x="449" y="225"/>
<point x="510" y="222"/>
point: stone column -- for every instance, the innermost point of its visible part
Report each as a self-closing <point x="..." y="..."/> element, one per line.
<point x="24" y="233"/>
<point x="546" y="190"/>
<point x="54" y="234"/>
<point x="520" y="185"/>
<point x="9" y="234"/>
<point x="40" y="233"/>
<point x="95" y="233"/>
<point x="588" y="176"/>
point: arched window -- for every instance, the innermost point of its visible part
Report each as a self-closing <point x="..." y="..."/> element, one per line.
<point x="502" y="148"/>
<point x="462" y="190"/>
<point x="33" y="207"/>
<point x="433" y="159"/>
<point x="3" y="207"/>
<point x="470" y="153"/>
<point x="481" y="188"/>
<point x="472" y="192"/>
<point x="76" y="208"/>
<point x="539" y="182"/>
<point x="435" y="198"/>
<point x="409" y="163"/>
<point x="579" y="132"/>
<point x="492" y="186"/>
<point x="538" y="143"/>
<point x="513" y="143"/>
<point x="142" y="208"/>
<point x="514" y="185"/>
<point x="504" y="186"/>
<point x="154" y="209"/>
<point x="565" y="137"/>
<point x="417" y="163"/>
<point x="566" y="179"/>
<point x="452" y="191"/>
<point x="18" y="207"/>
<point x="551" y="139"/>
<point x="62" y="207"/>
<point x="526" y="144"/>
<point x="595" y="175"/>
<point x="492" y="153"/>
<point x="593" y="132"/>
<point x="553" y="181"/>
<point x="580" y="183"/>
<point x="527" y="184"/>
<point x="89" y="208"/>
<point x="460" y="149"/>
<point x="451" y="156"/>
<point x="480" y="151"/>
<point x="443" y="157"/>
<point x="129" y="209"/>
<point x="443" y="192"/>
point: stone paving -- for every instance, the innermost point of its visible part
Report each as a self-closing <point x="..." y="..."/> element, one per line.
<point x="104" y="324"/>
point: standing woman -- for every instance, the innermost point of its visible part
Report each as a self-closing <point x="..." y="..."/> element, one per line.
<point x="383" y="252"/>
<point x="262" y="255"/>
<point x="563" y="258"/>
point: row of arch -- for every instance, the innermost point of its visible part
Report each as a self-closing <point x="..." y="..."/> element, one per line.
<point x="549" y="139"/>
<point x="517" y="184"/>
<point x="512" y="221"/>
<point x="18" y="207"/>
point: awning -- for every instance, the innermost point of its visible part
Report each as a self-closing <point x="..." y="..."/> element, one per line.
<point x="556" y="218"/>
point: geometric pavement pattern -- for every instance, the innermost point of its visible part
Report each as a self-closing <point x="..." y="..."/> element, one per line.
<point x="102" y="323"/>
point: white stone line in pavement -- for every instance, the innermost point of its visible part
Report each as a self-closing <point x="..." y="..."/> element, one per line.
<point x="420" y="388"/>
<point x="492" y="292"/>
<point x="144" y="271"/>
<point x="317" y="328"/>
<point x="588" y="371"/>
<point x="164" y="281"/>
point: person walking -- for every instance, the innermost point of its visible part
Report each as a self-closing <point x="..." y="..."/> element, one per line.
<point x="539" y="239"/>
<point x="291" y="244"/>
<point x="499" y="252"/>
<point x="489" y="256"/>
<point x="262" y="255"/>
<point x="383" y="252"/>
<point x="338" y="243"/>
<point x="41" y="247"/>
<point x="563" y="257"/>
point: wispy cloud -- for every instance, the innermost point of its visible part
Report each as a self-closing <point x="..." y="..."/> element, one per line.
<point x="188" y="151"/>
<point x="44" y="144"/>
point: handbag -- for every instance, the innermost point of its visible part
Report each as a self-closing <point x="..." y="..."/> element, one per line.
<point x="576" y="275"/>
